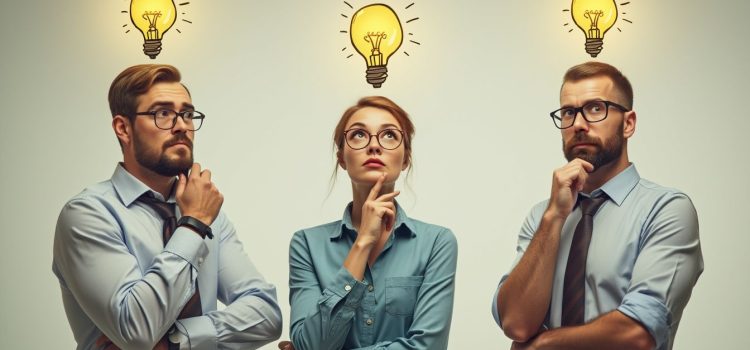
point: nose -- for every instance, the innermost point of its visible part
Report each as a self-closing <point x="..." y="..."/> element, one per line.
<point x="374" y="146"/>
<point x="180" y="125"/>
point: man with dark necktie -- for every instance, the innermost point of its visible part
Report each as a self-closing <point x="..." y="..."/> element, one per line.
<point x="143" y="258"/>
<point x="610" y="259"/>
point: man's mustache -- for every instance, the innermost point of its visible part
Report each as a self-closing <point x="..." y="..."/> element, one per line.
<point x="180" y="138"/>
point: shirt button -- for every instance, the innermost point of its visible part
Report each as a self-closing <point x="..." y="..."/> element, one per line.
<point x="369" y="322"/>
<point x="347" y="287"/>
<point x="370" y="288"/>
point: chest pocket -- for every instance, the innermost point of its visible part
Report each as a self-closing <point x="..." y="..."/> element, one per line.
<point x="401" y="294"/>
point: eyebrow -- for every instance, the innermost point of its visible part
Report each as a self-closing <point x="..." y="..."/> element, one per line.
<point x="584" y="102"/>
<point x="383" y="126"/>
<point x="169" y="105"/>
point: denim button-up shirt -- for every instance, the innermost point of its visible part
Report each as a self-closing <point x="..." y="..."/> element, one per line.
<point x="404" y="302"/>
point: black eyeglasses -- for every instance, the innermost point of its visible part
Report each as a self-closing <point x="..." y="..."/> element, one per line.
<point x="592" y="112"/>
<point x="166" y="119"/>
<point x="387" y="138"/>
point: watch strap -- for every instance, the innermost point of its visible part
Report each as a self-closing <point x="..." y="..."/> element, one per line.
<point x="197" y="226"/>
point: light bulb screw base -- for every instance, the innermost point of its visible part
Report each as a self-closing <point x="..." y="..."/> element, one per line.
<point x="594" y="46"/>
<point x="152" y="48"/>
<point x="376" y="75"/>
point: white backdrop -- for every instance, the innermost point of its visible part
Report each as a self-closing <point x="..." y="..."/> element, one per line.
<point x="273" y="81"/>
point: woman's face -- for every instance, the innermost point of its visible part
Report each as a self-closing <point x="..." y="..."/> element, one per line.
<point x="366" y="165"/>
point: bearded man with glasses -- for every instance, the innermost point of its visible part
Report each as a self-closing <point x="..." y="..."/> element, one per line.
<point x="143" y="258"/>
<point x="610" y="259"/>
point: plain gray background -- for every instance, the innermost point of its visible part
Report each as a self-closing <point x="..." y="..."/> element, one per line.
<point x="273" y="80"/>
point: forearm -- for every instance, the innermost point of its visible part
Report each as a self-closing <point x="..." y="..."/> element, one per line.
<point x="524" y="297"/>
<point x="613" y="330"/>
<point x="320" y="317"/>
<point x="324" y="321"/>
<point x="356" y="261"/>
<point x="132" y="309"/>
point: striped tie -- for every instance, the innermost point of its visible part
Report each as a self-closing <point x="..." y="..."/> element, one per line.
<point x="574" y="287"/>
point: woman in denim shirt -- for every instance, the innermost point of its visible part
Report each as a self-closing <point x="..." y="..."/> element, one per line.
<point x="376" y="279"/>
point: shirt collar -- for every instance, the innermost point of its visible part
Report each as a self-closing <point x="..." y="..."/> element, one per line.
<point x="404" y="225"/>
<point x="129" y="188"/>
<point x="618" y="187"/>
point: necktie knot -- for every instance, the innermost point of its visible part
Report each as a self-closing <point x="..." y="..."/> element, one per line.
<point x="164" y="209"/>
<point x="589" y="205"/>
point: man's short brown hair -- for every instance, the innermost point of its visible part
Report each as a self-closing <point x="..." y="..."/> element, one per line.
<point x="135" y="81"/>
<point x="598" y="69"/>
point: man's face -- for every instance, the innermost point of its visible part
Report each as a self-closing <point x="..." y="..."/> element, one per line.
<point x="598" y="143"/>
<point x="165" y="152"/>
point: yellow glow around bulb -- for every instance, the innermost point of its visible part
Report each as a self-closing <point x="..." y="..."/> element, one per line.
<point x="153" y="18"/>
<point x="376" y="33"/>
<point x="594" y="17"/>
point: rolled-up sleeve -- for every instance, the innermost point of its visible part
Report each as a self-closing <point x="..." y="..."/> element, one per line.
<point x="320" y="319"/>
<point x="667" y="267"/>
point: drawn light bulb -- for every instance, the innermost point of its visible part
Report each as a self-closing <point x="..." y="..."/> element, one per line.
<point x="376" y="33"/>
<point x="595" y="18"/>
<point x="153" y="18"/>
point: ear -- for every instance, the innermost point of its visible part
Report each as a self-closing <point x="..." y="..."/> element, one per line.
<point x="123" y="129"/>
<point x="340" y="159"/>
<point x="628" y="128"/>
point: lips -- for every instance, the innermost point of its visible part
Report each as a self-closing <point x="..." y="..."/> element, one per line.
<point x="373" y="162"/>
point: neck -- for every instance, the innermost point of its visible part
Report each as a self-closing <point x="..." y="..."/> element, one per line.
<point x="606" y="172"/>
<point x="360" y="191"/>
<point x="159" y="183"/>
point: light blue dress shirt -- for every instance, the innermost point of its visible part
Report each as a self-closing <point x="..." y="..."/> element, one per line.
<point x="644" y="257"/>
<point x="404" y="302"/>
<point x="118" y="278"/>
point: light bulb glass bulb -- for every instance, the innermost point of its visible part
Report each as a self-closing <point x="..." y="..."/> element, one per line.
<point x="594" y="17"/>
<point x="376" y="34"/>
<point x="153" y="18"/>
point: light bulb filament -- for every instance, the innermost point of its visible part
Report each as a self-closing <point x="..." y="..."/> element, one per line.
<point x="151" y="17"/>
<point x="593" y="16"/>
<point x="376" y="57"/>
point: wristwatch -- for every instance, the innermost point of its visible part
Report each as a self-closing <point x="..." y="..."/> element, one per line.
<point x="199" y="227"/>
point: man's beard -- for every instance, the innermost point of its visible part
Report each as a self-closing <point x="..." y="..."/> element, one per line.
<point x="159" y="162"/>
<point x="602" y="155"/>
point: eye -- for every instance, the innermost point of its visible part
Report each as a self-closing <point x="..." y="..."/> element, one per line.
<point x="163" y="113"/>
<point x="188" y="114"/>
<point x="357" y="134"/>
<point x="388" y="134"/>
<point x="568" y="112"/>
<point x="595" y="107"/>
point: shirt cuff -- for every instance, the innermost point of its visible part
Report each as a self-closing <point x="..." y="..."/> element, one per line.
<point x="188" y="245"/>
<point x="199" y="331"/>
<point x="649" y="312"/>
<point x="346" y="286"/>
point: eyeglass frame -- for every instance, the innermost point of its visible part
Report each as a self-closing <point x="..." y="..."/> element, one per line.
<point x="182" y="114"/>
<point x="583" y="114"/>
<point x="377" y="138"/>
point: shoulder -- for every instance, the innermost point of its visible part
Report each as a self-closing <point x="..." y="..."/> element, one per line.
<point x="323" y="230"/>
<point x="320" y="233"/>
<point x="441" y="236"/>
<point x="657" y="197"/>
<point x="100" y="198"/>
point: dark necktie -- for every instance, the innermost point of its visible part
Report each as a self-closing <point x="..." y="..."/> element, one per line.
<point x="574" y="287"/>
<point x="166" y="211"/>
